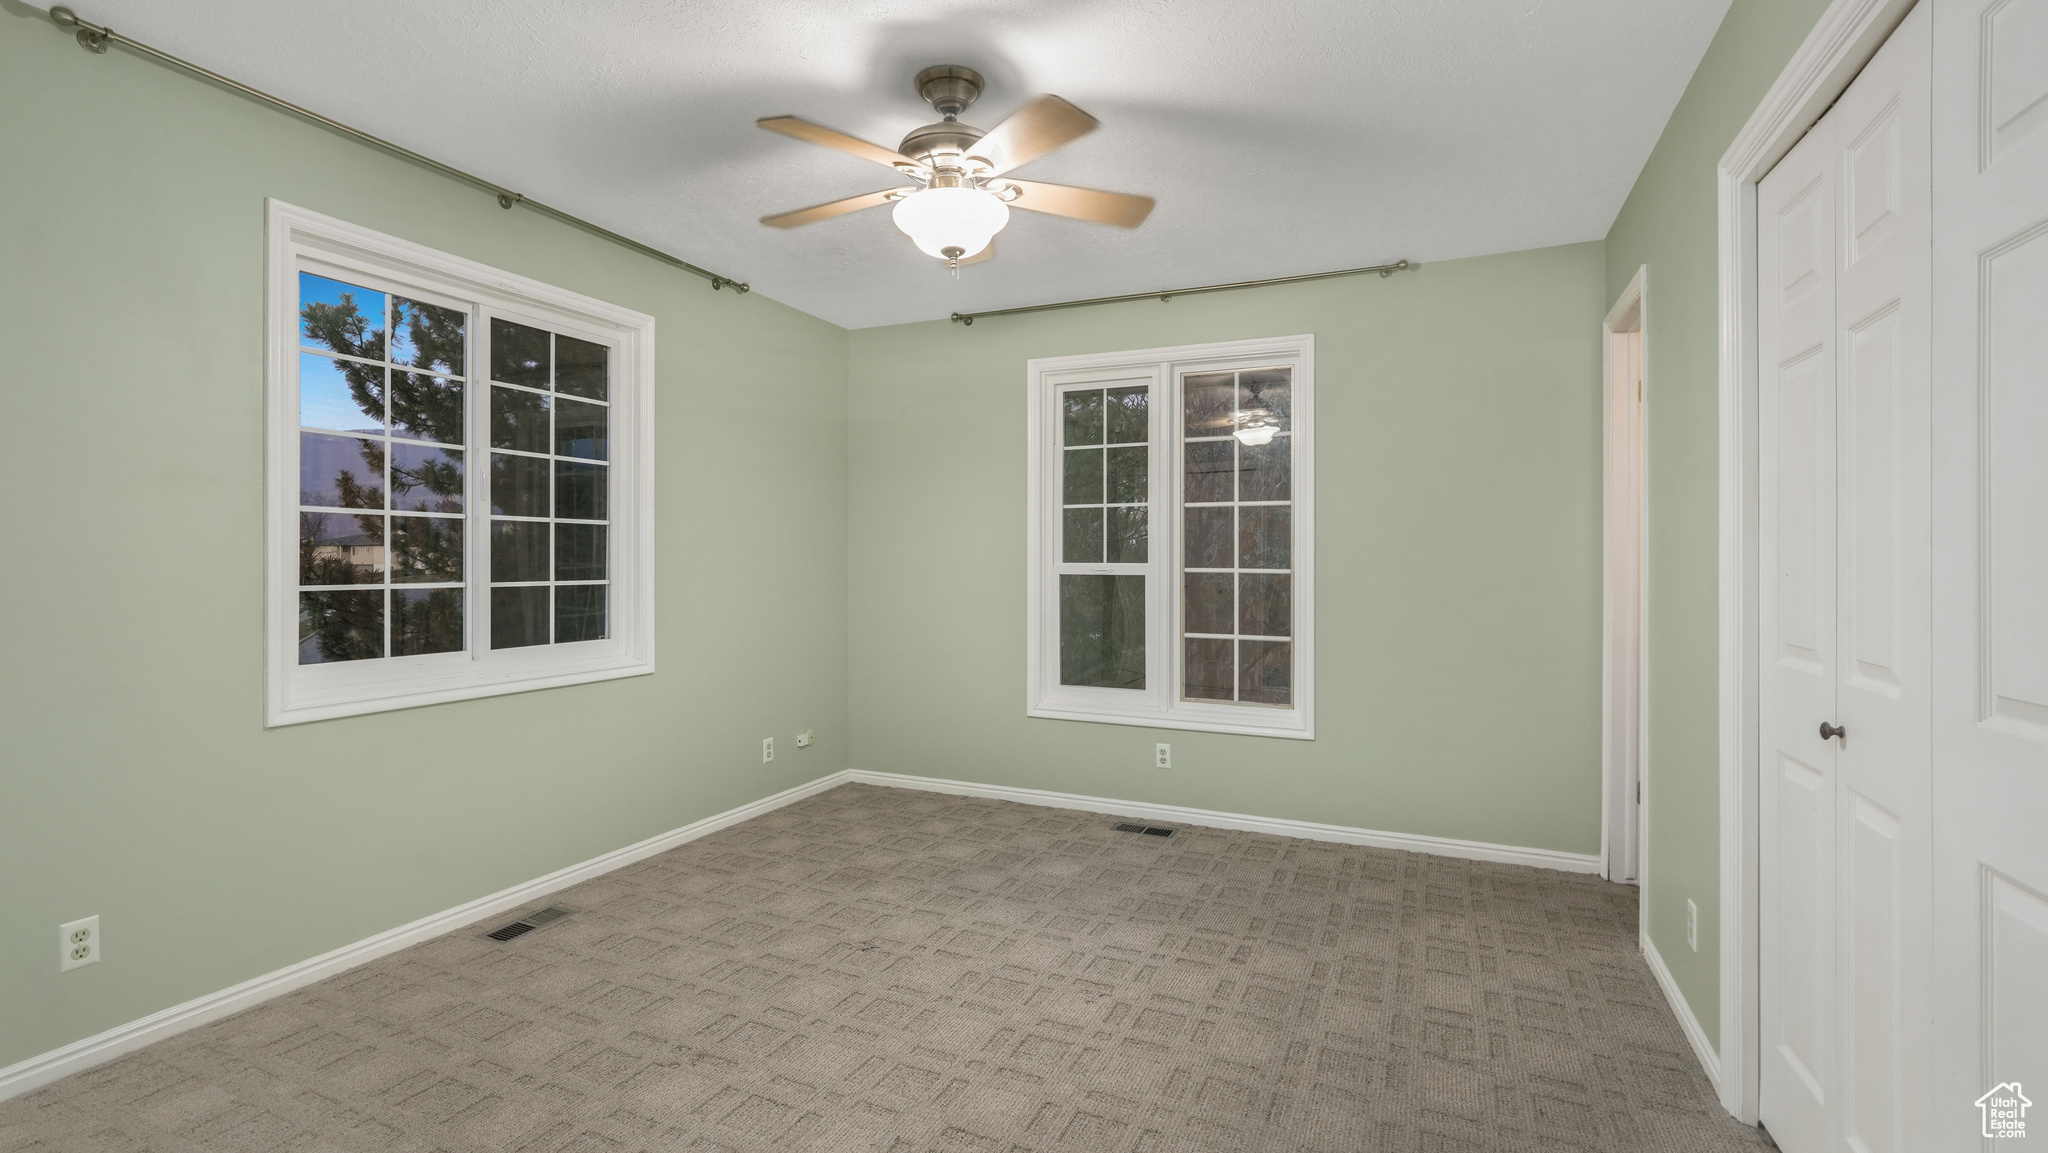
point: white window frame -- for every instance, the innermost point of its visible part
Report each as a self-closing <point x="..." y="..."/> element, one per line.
<point x="1158" y="705"/>
<point x="300" y="239"/>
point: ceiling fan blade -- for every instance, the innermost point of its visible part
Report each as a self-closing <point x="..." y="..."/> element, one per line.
<point x="1031" y="132"/>
<point x="1120" y="209"/>
<point x="819" y="134"/>
<point x="988" y="253"/>
<point x="827" y="211"/>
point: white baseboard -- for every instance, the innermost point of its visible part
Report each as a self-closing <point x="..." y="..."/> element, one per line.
<point x="78" y="1056"/>
<point x="40" y="1070"/>
<point x="1307" y="830"/>
<point x="1680" y="1008"/>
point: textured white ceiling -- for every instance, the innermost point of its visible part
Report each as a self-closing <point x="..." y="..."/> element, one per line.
<point x="1279" y="138"/>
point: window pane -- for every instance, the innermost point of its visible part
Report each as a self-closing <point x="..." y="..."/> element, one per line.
<point x="340" y="394"/>
<point x="340" y="626"/>
<point x="1082" y="417"/>
<point x="341" y="471"/>
<point x="1208" y="538"/>
<point x="426" y="549"/>
<point x="1127" y="475"/>
<point x="519" y="550"/>
<point x="425" y="621"/>
<point x="426" y="479"/>
<point x="579" y="613"/>
<point x="582" y="368"/>
<point x="519" y="616"/>
<point x="1265" y="605"/>
<point x="1265" y="672"/>
<point x="1269" y="389"/>
<point x="344" y="318"/>
<point x="1206" y="669"/>
<point x="1126" y="410"/>
<point x="340" y="549"/>
<point x="1208" y="602"/>
<point x="519" y="485"/>
<point x="1262" y="539"/>
<point x="1081" y="536"/>
<point x="1102" y="631"/>
<point x="519" y="354"/>
<point x="427" y="336"/>
<point x="580" y="430"/>
<point x="1082" y="483"/>
<point x="1126" y="533"/>
<point x="1207" y="477"/>
<point x="580" y="490"/>
<point x="579" y="552"/>
<point x="1209" y="399"/>
<point x="426" y="407"/>
<point x="519" y="420"/>
<point x="1264" y="470"/>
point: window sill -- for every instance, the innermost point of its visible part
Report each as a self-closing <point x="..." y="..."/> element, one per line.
<point x="1275" y="722"/>
<point x="311" y="700"/>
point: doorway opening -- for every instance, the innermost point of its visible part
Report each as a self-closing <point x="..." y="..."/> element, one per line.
<point x="1623" y="637"/>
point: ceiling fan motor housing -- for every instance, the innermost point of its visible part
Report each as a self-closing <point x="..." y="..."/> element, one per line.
<point x="949" y="88"/>
<point x="943" y="146"/>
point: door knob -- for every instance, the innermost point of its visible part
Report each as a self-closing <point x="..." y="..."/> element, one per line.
<point x="1829" y="732"/>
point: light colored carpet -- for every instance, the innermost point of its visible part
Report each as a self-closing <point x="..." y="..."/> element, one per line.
<point x="878" y="969"/>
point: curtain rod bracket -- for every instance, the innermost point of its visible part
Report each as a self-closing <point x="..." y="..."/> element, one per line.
<point x="91" y="37"/>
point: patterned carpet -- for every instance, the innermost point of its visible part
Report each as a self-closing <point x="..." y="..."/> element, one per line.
<point x="905" y="972"/>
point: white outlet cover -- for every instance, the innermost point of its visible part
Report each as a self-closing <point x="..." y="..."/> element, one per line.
<point x="1162" y="756"/>
<point x="1692" y="924"/>
<point x="78" y="943"/>
<point x="767" y="749"/>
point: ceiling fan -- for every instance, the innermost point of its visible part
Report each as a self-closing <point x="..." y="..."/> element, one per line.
<point x="961" y="198"/>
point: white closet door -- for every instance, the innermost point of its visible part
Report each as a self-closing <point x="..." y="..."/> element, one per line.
<point x="1991" y="560"/>
<point x="1796" y="538"/>
<point x="1843" y="301"/>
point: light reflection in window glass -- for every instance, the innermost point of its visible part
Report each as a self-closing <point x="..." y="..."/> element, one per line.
<point x="359" y="343"/>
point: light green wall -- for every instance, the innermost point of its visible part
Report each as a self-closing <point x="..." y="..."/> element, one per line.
<point x="1669" y="223"/>
<point x="136" y="778"/>
<point x="1458" y="555"/>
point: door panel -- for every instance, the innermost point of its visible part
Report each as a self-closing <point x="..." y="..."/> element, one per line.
<point x="1796" y="522"/>
<point x="1843" y="487"/>
<point x="1990" y="420"/>
<point x="2015" y="358"/>
<point x="1875" y="1077"/>
<point x="1804" y="930"/>
<point x="1872" y="433"/>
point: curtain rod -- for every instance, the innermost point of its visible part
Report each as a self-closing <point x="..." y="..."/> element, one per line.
<point x="94" y="38"/>
<point x="1385" y="270"/>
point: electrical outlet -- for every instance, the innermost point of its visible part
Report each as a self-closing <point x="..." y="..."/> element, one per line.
<point x="806" y="738"/>
<point x="1692" y="925"/>
<point x="767" y="749"/>
<point x="78" y="943"/>
<point x="1162" y="756"/>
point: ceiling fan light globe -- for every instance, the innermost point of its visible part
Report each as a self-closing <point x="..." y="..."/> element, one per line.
<point x="936" y="219"/>
<point x="1256" y="435"/>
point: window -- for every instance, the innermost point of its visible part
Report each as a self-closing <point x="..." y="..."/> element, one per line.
<point x="1171" y="514"/>
<point x="459" y="478"/>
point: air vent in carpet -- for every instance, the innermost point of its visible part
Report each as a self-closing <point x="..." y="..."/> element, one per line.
<point x="1148" y="830"/>
<point x="529" y="923"/>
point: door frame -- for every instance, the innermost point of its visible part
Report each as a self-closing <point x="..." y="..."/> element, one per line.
<point x="1847" y="35"/>
<point x="1624" y="668"/>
